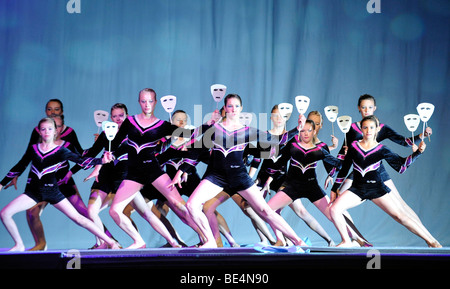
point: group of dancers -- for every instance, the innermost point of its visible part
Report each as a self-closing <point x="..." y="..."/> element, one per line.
<point x="152" y="159"/>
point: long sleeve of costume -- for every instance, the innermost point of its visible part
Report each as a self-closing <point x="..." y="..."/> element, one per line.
<point x="93" y="151"/>
<point x="196" y="153"/>
<point x="331" y="164"/>
<point x="19" y="168"/>
<point x="387" y="132"/>
<point x="398" y="163"/>
<point x="83" y="161"/>
<point x="343" y="172"/>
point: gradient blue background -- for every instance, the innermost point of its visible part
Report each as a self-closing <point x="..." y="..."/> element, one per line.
<point x="265" y="50"/>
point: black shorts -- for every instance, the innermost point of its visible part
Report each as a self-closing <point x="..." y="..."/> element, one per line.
<point x="145" y="174"/>
<point x="297" y="189"/>
<point x="109" y="179"/>
<point x="369" y="191"/>
<point x="68" y="189"/>
<point x="52" y="196"/>
<point x="151" y="193"/>
<point x="276" y="183"/>
<point x="232" y="180"/>
<point x="187" y="188"/>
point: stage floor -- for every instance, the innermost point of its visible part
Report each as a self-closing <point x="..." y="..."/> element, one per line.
<point x="253" y="257"/>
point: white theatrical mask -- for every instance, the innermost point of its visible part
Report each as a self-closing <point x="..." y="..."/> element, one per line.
<point x="110" y="128"/>
<point x="344" y="123"/>
<point x="425" y="110"/>
<point x="169" y="102"/>
<point x="218" y="92"/>
<point x="285" y="110"/>
<point x="331" y="112"/>
<point x="302" y="103"/>
<point x="246" y="118"/>
<point x="100" y="116"/>
<point x="412" y="121"/>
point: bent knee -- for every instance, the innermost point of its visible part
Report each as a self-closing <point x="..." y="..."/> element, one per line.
<point x="193" y="207"/>
<point x="92" y="212"/>
<point x="265" y="212"/>
<point x="4" y="214"/>
<point x="335" y="211"/>
<point x="114" y="212"/>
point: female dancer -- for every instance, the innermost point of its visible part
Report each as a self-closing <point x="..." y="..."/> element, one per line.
<point x="54" y="108"/>
<point x="367" y="106"/>
<point x="174" y="156"/>
<point x="108" y="176"/>
<point x="303" y="152"/>
<point x="170" y="156"/>
<point x="144" y="131"/>
<point x="295" y="203"/>
<point x="226" y="169"/>
<point x="45" y="158"/>
<point x="366" y="156"/>
<point x="267" y="179"/>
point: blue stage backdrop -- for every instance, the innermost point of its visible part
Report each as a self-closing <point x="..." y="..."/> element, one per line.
<point x="92" y="54"/>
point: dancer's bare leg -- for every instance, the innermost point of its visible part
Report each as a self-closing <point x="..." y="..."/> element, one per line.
<point x="37" y="229"/>
<point x="125" y="194"/>
<point x="145" y="211"/>
<point x="19" y="204"/>
<point x="387" y="204"/>
<point x="258" y="223"/>
<point x="205" y="191"/>
<point x="69" y="210"/>
<point x="258" y="203"/>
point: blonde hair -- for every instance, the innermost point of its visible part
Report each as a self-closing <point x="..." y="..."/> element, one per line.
<point x="315" y="112"/>
<point x="150" y="90"/>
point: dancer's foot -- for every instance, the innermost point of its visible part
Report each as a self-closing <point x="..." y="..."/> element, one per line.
<point x="17" y="248"/>
<point x="363" y="243"/>
<point x="301" y="243"/>
<point x="211" y="244"/>
<point x="346" y="244"/>
<point x="115" y="246"/>
<point x="174" y="244"/>
<point x="39" y="247"/>
<point x="103" y="245"/>
<point x="136" y="246"/>
<point x="279" y="243"/>
<point x="434" y="244"/>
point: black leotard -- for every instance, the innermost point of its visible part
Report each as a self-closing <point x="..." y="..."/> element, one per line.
<point x="368" y="182"/>
<point x="42" y="184"/>
<point x="385" y="132"/>
<point x="142" y="142"/>
<point x="226" y="167"/>
<point x="301" y="179"/>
